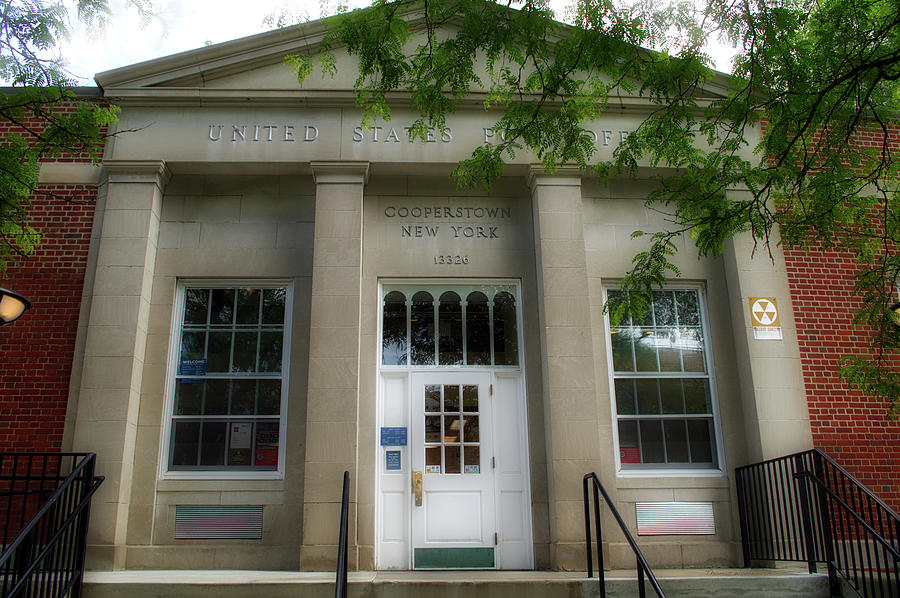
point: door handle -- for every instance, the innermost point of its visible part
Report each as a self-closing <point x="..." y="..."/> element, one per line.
<point x="417" y="487"/>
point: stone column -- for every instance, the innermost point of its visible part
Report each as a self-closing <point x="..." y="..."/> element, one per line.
<point x="770" y="373"/>
<point x="333" y="391"/>
<point x="570" y="401"/>
<point x="109" y="396"/>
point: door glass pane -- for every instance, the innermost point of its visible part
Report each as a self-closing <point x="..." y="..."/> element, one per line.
<point x="421" y="324"/>
<point x="470" y="427"/>
<point x="451" y="428"/>
<point x="505" y="330"/>
<point x="472" y="458"/>
<point x="478" y="330"/>
<point x="432" y="428"/>
<point x="450" y="329"/>
<point x="393" y="330"/>
<point x="432" y="397"/>
<point x="433" y="459"/>
<point x="470" y="398"/>
<point x="451" y="398"/>
<point x="451" y="459"/>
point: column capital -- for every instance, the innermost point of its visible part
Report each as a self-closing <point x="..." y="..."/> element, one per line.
<point x="563" y="176"/>
<point x="137" y="171"/>
<point x="325" y="173"/>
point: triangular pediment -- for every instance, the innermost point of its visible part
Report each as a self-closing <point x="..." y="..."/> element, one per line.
<point x="254" y="68"/>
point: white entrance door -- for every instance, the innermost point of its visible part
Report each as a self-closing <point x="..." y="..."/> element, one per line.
<point x="451" y="454"/>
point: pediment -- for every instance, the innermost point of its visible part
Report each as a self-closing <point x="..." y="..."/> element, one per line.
<point x="253" y="68"/>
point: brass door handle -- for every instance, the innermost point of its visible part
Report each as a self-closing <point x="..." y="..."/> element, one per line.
<point x="417" y="487"/>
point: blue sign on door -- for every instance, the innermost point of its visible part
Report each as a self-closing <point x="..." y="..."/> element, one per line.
<point x="393" y="436"/>
<point x="392" y="460"/>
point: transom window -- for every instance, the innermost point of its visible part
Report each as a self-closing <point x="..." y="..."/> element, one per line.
<point x="229" y="379"/>
<point x="449" y="326"/>
<point x="663" y="394"/>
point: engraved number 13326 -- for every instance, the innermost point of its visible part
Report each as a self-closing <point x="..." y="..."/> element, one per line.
<point x="451" y="259"/>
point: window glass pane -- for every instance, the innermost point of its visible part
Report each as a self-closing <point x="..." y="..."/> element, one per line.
<point x="266" y="445"/>
<point x="222" y="313"/>
<point x="663" y="308"/>
<point x="478" y="330"/>
<point x="185" y="443"/>
<point x="248" y="307"/>
<point x="451" y="459"/>
<point x="676" y="441"/>
<point x="422" y="329"/>
<point x="216" y="400"/>
<point x="196" y="306"/>
<point x="270" y="348"/>
<point x="647" y="396"/>
<point x="212" y="449"/>
<point x="269" y="401"/>
<point x="470" y="398"/>
<point x="240" y="444"/>
<point x="625" y="397"/>
<point x="645" y="351"/>
<point x="244" y="352"/>
<point x="623" y="360"/>
<point x="700" y="434"/>
<point x="688" y="308"/>
<point x="629" y="451"/>
<point x="451" y="398"/>
<point x="188" y="398"/>
<point x="393" y="339"/>
<point x="668" y="348"/>
<point x="696" y="396"/>
<point x="218" y="357"/>
<point x="451" y="428"/>
<point x="652" y="441"/>
<point x="450" y="329"/>
<point x="692" y="353"/>
<point x="273" y="306"/>
<point x="193" y="345"/>
<point x="670" y="395"/>
<point x="243" y="397"/>
<point x="506" y="340"/>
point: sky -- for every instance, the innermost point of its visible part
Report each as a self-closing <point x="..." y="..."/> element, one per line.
<point x="180" y="25"/>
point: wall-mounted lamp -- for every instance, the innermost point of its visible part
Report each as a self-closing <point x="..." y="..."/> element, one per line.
<point x="12" y="306"/>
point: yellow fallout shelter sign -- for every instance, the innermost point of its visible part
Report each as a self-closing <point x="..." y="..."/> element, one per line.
<point x="764" y="318"/>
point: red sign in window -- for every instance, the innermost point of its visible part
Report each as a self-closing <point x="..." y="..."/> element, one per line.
<point x="630" y="455"/>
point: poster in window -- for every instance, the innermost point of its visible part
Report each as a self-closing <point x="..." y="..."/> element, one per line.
<point x="631" y="454"/>
<point x="241" y="434"/>
<point x="267" y="445"/>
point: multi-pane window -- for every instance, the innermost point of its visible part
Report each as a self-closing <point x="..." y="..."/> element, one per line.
<point x="229" y="378"/>
<point x="663" y="395"/>
<point x="458" y="326"/>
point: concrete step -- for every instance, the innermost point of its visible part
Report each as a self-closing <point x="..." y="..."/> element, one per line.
<point x="677" y="583"/>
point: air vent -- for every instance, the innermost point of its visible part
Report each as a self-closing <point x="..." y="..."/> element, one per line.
<point x="214" y="522"/>
<point x="675" y="518"/>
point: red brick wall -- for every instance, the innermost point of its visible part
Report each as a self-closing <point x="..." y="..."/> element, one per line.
<point x="36" y="351"/>
<point x="850" y="427"/>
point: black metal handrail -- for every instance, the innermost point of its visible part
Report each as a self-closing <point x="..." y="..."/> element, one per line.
<point x="642" y="566"/>
<point x="340" y="581"/>
<point x="47" y="498"/>
<point x="806" y="507"/>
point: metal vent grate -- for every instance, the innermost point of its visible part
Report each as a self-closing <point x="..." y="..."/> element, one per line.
<point x="213" y="522"/>
<point x="671" y="518"/>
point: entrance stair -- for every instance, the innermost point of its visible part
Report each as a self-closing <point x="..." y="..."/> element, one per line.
<point x="677" y="583"/>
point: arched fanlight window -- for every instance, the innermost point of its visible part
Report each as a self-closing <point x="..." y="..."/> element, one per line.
<point x="421" y="329"/>
<point x="506" y="346"/>
<point x="478" y="330"/>
<point x="450" y="345"/>
<point x="393" y="330"/>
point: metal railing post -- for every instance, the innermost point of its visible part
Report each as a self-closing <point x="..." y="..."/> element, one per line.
<point x="340" y="581"/>
<point x="802" y="491"/>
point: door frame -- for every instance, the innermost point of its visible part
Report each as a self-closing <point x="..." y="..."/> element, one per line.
<point x="512" y="476"/>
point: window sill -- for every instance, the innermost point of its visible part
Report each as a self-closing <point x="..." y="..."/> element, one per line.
<point x="670" y="473"/>
<point x="236" y="476"/>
